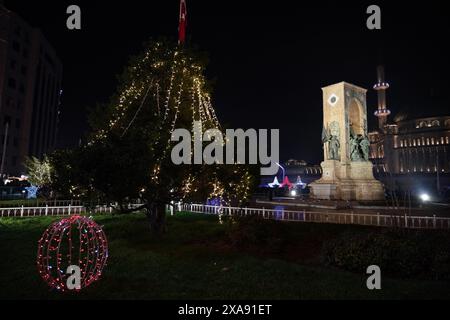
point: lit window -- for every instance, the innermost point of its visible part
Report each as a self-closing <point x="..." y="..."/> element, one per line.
<point x="442" y="140"/>
<point x="428" y="142"/>
<point x="432" y="141"/>
<point x="435" y="123"/>
<point x="446" y="140"/>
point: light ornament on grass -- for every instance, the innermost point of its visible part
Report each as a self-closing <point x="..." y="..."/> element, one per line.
<point x="74" y="241"/>
<point x="32" y="192"/>
<point x="275" y="183"/>
<point x="286" y="183"/>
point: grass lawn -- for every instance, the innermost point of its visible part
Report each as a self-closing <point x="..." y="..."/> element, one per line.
<point x="193" y="261"/>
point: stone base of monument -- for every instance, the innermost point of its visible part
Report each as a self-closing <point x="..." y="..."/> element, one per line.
<point x="347" y="181"/>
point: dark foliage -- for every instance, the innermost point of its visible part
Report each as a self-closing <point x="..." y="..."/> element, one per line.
<point x="400" y="253"/>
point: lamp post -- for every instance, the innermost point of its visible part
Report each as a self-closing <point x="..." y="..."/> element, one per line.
<point x="5" y="141"/>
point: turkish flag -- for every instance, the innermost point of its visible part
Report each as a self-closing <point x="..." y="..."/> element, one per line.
<point x="182" y="25"/>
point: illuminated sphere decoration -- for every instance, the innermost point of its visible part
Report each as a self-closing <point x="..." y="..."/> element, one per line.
<point x="74" y="241"/>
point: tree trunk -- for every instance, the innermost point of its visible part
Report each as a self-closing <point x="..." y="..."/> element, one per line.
<point x="156" y="215"/>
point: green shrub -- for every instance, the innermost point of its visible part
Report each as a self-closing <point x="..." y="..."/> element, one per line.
<point x="402" y="253"/>
<point x="256" y="233"/>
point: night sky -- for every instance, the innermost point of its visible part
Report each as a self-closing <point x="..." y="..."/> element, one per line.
<point x="268" y="59"/>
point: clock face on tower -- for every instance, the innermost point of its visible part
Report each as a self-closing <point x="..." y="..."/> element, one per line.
<point x="333" y="99"/>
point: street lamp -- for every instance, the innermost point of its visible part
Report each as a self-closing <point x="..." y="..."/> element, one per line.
<point x="425" y="197"/>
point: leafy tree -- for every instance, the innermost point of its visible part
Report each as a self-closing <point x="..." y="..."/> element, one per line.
<point x="39" y="174"/>
<point x="127" y="156"/>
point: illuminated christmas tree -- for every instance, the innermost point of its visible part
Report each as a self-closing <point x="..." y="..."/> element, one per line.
<point x="128" y="154"/>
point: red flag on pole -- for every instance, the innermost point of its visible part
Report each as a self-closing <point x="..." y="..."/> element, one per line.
<point x="182" y="25"/>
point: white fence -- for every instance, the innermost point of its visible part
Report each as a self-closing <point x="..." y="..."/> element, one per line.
<point x="40" y="203"/>
<point x="24" y="212"/>
<point x="417" y="222"/>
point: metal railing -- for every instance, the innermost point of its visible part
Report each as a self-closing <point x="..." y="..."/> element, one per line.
<point x="41" y="203"/>
<point x="23" y="211"/>
<point x="380" y="220"/>
<point x="417" y="222"/>
<point x="40" y="211"/>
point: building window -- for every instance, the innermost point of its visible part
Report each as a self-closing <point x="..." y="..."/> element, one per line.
<point x="446" y="140"/>
<point x="428" y="141"/>
<point x="12" y="83"/>
<point x="15" y="142"/>
<point x="13" y="64"/>
<point x="442" y="140"/>
<point x="16" y="46"/>
<point x="23" y="70"/>
<point x="17" y="123"/>
<point x="9" y="101"/>
<point x="3" y="141"/>
<point x="18" y="31"/>
<point x="435" y="123"/>
<point x="432" y="141"/>
<point x="6" y="119"/>
<point x="22" y="88"/>
<point x="418" y="142"/>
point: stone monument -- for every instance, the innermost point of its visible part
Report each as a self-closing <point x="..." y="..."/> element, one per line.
<point x="346" y="170"/>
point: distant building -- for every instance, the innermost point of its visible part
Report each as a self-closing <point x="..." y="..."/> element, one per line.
<point x="412" y="146"/>
<point x="411" y="152"/>
<point x="30" y="88"/>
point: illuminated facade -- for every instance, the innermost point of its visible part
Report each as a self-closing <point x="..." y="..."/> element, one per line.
<point x="412" y="146"/>
<point x="408" y="146"/>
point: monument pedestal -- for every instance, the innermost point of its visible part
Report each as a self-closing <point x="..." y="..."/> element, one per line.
<point x="347" y="181"/>
<point x="347" y="173"/>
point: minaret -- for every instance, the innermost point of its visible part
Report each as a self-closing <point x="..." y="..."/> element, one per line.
<point x="382" y="112"/>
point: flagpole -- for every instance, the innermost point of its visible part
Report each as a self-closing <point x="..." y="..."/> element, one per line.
<point x="182" y="23"/>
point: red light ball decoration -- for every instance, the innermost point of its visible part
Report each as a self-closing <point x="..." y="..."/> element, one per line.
<point x="76" y="240"/>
